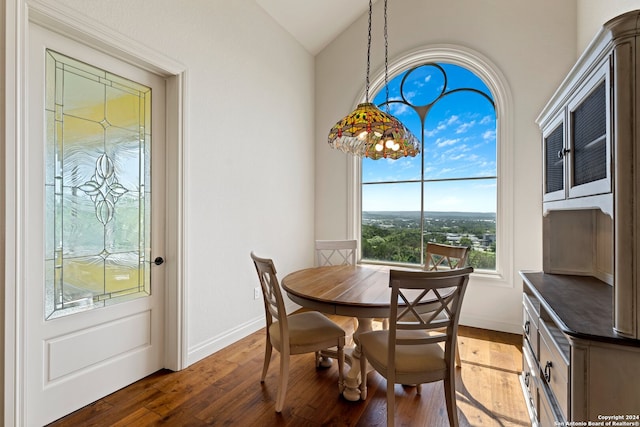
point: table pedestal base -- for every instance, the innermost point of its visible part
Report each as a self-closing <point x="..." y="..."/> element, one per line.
<point x="353" y="379"/>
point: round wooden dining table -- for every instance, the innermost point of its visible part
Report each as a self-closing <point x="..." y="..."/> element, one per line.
<point x="348" y="290"/>
<point x="360" y="291"/>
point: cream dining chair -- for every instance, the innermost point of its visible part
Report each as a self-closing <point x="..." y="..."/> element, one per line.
<point x="298" y="333"/>
<point x="438" y="257"/>
<point x="336" y="252"/>
<point x="409" y="352"/>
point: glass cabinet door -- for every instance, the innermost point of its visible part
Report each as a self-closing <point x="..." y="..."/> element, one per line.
<point x="589" y="137"/>
<point x="554" y="153"/>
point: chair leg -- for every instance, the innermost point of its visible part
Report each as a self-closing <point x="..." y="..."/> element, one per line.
<point x="267" y="359"/>
<point x="284" y="378"/>
<point x="458" y="361"/>
<point x="363" y="374"/>
<point x="391" y="403"/>
<point x="341" y="368"/>
<point x="450" y="397"/>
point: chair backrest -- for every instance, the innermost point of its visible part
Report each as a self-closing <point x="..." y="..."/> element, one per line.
<point x="271" y="294"/>
<point x="336" y="252"/>
<point x="413" y="292"/>
<point x="440" y="256"/>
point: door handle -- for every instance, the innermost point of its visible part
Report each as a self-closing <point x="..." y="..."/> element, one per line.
<point x="158" y="261"/>
<point x="562" y="153"/>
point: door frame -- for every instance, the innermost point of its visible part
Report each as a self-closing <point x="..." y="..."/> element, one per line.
<point x="17" y="15"/>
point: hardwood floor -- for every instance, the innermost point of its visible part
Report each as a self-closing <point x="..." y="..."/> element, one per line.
<point x="225" y="390"/>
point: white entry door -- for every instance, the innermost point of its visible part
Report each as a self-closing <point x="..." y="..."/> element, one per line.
<point x="94" y="307"/>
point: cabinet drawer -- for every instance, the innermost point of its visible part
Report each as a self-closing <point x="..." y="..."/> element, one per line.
<point x="530" y="315"/>
<point x="530" y="377"/>
<point x="554" y="364"/>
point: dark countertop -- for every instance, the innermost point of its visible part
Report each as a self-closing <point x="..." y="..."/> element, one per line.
<point x="581" y="305"/>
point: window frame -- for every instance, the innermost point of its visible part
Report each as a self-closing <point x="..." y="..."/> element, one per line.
<point x="497" y="84"/>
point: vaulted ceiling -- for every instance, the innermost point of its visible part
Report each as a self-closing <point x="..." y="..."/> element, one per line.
<point x="314" y="23"/>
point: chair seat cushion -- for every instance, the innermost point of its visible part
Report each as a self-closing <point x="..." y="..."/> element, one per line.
<point x="307" y="328"/>
<point x="409" y="358"/>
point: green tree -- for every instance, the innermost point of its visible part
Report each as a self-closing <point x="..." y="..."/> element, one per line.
<point x="465" y="241"/>
<point x="482" y="260"/>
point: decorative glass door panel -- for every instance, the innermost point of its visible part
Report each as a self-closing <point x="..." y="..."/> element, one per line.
<point x="98" y="149"/>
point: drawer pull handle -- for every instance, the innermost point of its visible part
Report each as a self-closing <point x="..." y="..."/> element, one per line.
<point x="526" y="378"/>
<point x="527" y="327"/>
<point x="547" y="371"/>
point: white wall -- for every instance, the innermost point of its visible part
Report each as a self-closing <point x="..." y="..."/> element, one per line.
<point x="249" y="147"/>
<point x="532" y="47"/>
<point x="592" y="14"/>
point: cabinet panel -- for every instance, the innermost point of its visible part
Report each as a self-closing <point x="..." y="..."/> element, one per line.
<point x="563" y="232"/>
<point x="627" y="161"/>
<point x="615" y="383"/>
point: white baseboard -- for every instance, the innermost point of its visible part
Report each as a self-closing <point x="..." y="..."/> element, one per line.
<point x="208" y="347"/>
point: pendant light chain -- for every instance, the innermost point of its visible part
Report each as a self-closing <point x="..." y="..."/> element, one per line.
<point x="368" y="51"/>
<point x="386" y="58"/>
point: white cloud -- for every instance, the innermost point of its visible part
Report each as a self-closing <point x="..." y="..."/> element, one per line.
<point x="445" y="142"/>
<point x="486" y="120"/>
<point x="410" y="95"/>
<point x="489" y="135"/>
<point x="464" y="127"/>
<point x="452" y="120"/>
<point x="398" y="109"/>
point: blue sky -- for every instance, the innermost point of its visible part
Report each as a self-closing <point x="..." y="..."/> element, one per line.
<point x="459" y="142"/>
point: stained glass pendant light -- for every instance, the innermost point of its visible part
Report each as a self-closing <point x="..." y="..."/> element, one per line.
<point x="369" y="131"/>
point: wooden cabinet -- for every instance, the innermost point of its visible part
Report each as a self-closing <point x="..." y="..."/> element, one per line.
<point x="575" y="366"/>
<point x="581" y="314"/>
<point x="591" y="185"/>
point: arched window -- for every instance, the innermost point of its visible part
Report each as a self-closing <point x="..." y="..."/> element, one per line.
<point x="454" y="191"/>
